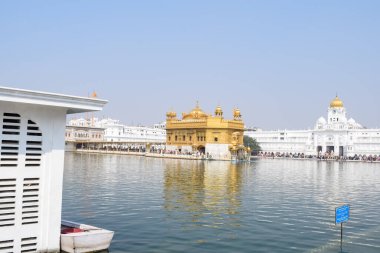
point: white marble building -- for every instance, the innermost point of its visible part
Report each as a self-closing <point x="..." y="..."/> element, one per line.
<point x="335" y="135"/>
<point x="114" y="131"/>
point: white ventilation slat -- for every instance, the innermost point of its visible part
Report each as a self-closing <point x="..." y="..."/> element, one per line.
<point x="5" y="147"/>
<point x="29" y="208"/>
<point x="33" y="163"/>
<point x="33" y="132"/>
<point x="31" y="180"/>
<point x="7" y="213"/>
<point x="7" y="216"/>
<point x="7" y="188"/>
<point x="7" y="205"/>
<point x="29" y="249"/>
<point x="6" y="243"/>
<point x="9" y="140"/>
<point x="30" y="188"/>
<point x="30" y="201"/>
<point x="28" y="196"/>
<point x="9" y="143"/>
<point x="7" y="180"/>
<point x="33" y="145"/>
<point x="29" y="216"/>
<point x="7" y="194"/>
<point x="9" y="153"/>
<point x="12" y="125"/>
<point x="6" y="246"/>
<point x="29" y="205"/>
<point x="34" y="138"/>
<point x="7" y="223"/>
<point x="34" y="151"/>
<point x="7" y="201"/>
<point x="9" y="146"/>
<point x="8" y="164"/>
<point x="29" y="244"/>
<point x="8" y="158"/>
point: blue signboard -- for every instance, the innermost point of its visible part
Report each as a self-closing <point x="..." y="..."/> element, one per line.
<point x="342" y="214"/>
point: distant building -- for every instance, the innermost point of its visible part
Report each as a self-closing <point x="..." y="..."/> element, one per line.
<point x="161" y="126"/>
<point x="31" y="166"/>
<point x="335" y="135"/>
<point x="111" y="130"/>
<point x="207" y="134"/>
<point x="75" y="136"/>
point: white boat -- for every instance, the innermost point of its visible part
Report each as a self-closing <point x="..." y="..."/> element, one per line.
<point x="81" y="238"/>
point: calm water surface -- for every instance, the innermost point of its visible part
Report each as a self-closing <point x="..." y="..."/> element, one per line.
<point x="165" y="205"/>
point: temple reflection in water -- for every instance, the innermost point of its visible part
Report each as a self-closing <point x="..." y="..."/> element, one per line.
<point x="203" y="190"/>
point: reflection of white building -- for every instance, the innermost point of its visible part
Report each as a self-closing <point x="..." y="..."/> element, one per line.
<point x="344" y="137"/>
<point x="114" y="131"/>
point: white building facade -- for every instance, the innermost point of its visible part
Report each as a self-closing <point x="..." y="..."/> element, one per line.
<point x="31" y="166"/>
<point x="86" y="134"/>
<point x="114" y="131"/>
<point x="335" y="135"/>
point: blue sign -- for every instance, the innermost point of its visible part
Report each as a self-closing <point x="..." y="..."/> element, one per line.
<point x="342" y="214"/>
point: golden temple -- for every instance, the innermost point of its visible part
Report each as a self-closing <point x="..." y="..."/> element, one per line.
<point x="208" y="134"/>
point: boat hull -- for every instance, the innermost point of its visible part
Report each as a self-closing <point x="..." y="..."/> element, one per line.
<point x="92" y="239"/>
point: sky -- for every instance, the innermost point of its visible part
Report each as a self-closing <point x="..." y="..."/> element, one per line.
<point x="280" y="62"/>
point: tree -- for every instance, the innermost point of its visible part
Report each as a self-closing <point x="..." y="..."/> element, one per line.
<point x="252" y="144"/>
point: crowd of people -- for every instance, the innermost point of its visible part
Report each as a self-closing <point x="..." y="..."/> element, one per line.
<point x="112" y="148"/>
<point x="196" y="154"/>
<point x="320" y="156"/>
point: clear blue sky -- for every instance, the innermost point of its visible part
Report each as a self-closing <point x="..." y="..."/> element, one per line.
<point x="280" y="62"/>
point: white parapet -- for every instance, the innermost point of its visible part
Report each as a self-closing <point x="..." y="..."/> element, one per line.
<point x="218" y="151"/>
<point x="31" y="166"/>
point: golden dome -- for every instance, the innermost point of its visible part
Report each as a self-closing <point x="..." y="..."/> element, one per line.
<point x="237" y="113"/>
<point x="196" y="113"/>
<point x="171" y="114"/>
<point x="336" y="102"/>
<point x="218" y="111"/>
<point x="94" y="95"/>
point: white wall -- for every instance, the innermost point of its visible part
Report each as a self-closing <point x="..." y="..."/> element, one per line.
<point x="174" y="148"/>
<point x="218" y="151"/>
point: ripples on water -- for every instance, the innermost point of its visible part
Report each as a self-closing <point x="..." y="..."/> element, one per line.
<point x="165" y="205"/>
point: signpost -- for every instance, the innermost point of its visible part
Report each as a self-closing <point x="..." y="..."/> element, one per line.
<point x="342" y="214"/>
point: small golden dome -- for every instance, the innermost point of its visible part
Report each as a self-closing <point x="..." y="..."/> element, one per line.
<point x="196" y="113"/>
<point x="336" y="103"/>
<point x="94" y="95"/>
<point x="218" y="111"/>
<point x="171" y="114"/>
<point x="237" y="113"/>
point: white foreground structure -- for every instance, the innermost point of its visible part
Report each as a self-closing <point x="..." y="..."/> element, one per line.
<point x="31" y="166"/>
<point x="335" y="135"/>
